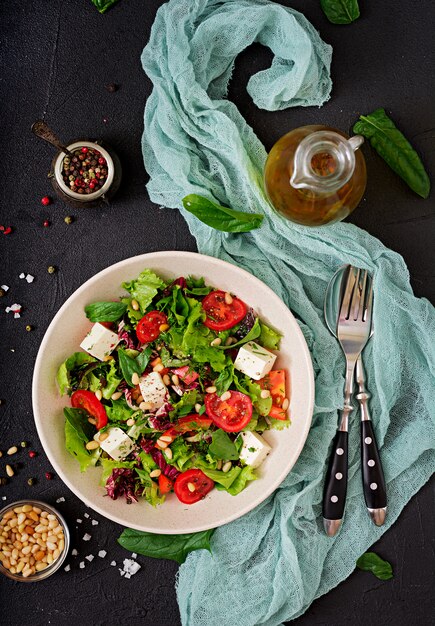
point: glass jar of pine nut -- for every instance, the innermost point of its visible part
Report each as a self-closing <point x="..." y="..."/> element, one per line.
<point x="34" y="540"/>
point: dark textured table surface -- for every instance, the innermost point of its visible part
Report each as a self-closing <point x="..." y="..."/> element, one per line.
<point x="56" y="59"/>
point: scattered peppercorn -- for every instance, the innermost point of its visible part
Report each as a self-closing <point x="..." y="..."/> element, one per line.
<point x="51" y="269"/>
<point x="7" y="231"/>
<point x="31" y="481"/>
<point x="82" y="174"/>
<point x="2" y="292"/>
<point x="32" y="454"/>
<point x="46" y="223"/>
<point x="48" y="475"/>
<point x="68" y="219"/>
<point x="29" y="328"/>
<point x="45" y="201"/>
<point x="24" y="444"/>
<point x="3" y="481"/>
<point x="112" y="87"/>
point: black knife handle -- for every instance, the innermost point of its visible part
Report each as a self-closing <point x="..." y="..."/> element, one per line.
<point x="375" y="493"/>
<point x="334" y="492"/>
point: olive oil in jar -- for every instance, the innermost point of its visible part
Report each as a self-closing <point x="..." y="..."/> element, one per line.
<point x="315" y="175"/>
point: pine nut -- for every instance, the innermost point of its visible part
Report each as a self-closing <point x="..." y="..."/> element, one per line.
<point x="228" y="298"/>
<point x="166" y="438"/>
<point x="139" y="399"/>
<point x="27" y="572"/>
<point x="52" y="524"/>
<point x="116" y="395"/>
<point x="175" y="379"/>
<point x="197" y="407"/>
<point x="211" y="389"/>
<point x="135" y="305"/>
<point x="265" y="393"/>
<point x="131" y="421"/>
<point x="168" y="453"/>
<point x="56" y="553"/>
<point x="27" y="508"/>
<point x="61" y="545"/>
<point x="99" y="394"/>
<point x="38" y="510"/>
<point x="145" y="406"/>
<point x="20" y="567"/>
<point x="9" y="471"/>
<point x="227" y="466"/>
<point x="24" y="537"/>
<point x="49" y="558"/>
<point x="162" y="444"/>
<point x="159" y="367"/>
<point x="108" y="358"/>
<point x="166" y="380"/>
<point x="229" y="341"/>
<point x="39" y="528"/>
<point x="135" y="378"/>
<point x="226" y="396"/>
<point x="191" y="487"/>
<point x="21" y="518"/>
<point x="39" y="555"/>
<point x="155" y="473"/>
<point x="92" y="445"/>
<point x="43" y="513"/>
<point x="219" y="465"/>
<point x="51" y="546"/>
<point x="12" y="450"/>
<point x="216" y="342"/>
<point x="103" y="437"/>
<point x="155" y="361"/>
<point x="34" y="516"/>
<point x="40" y="566"/>
<point x="163" y="327"/>
<point x="285" y="404"/>
<point x="92" y="421"/>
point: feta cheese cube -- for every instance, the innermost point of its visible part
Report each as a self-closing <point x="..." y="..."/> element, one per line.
<point x="254" y="449"/>
<point x="100" y="341"/>
<point x="118" y="444"/>
<point x="254" y="361"/>
<point x="153" y="390"/>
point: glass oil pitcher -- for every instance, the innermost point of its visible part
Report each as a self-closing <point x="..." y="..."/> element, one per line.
<point x="315" y="175"/>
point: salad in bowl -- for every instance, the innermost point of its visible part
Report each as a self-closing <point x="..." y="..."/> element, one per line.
<point x="172" y="390"/>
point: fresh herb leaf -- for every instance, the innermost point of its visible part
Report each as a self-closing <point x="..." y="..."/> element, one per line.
<point x="254" y="333"/>
<point x="395" y="149"/>
<point x="222" y="447"/>
<point x="173" y="547"/>
<point x="103" y="5"/>
<point x="340" y="11"/>
<point x="223" y="480"/>
<point x="219" y="217"/>
<point x="79" y="421"/>
<point x="128" y="366"/>
<point x="224" y="380"/>
<point x="371" y="562"/>
<point x="144" y="288"/>
<point x="105" y="311"/>
<point x="143" y="358"/>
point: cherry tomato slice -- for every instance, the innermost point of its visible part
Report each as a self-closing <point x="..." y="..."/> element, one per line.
<point x="220" y="315"/>
<point x="108" y="325"/>
<point x="231" y="415"/>
<point x="148" y="328"/>
<point x="165" y="484"/>
<point x="202" y="483"/>
<point x="87" y="401"/>
<point x="192" y="422"/>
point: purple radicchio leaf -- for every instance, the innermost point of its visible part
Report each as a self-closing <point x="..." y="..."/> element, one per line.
<point x="122" y="482"/>
<point x="168" y="470"/>
<point x="245" y="325"/>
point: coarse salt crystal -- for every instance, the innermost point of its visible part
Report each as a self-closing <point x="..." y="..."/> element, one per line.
<point x="30" y="278"/>
<point x="3" y="497"/>
<point x="82" y="565"/>
<point x="16" y="307"/>
<point x="102" y="554"/>
<point x="7" y="309"/>
<point x="5" y="287"/>
<point x="122" y="572"/>
<point x="127" y="575"/>
<point x="16" y="315"/>
<point x="87" y="537"/>
<point x="113" y="563"/>
<point x="22" y="275"/>
<point x="79" y="521"/>
<point x="95" y="522"/>
<point x="67" y="568"/>
<point x="133" y="555"/>
<point x="60" y="500"/>
<point x="90" y="557"/>
<point x="74" y="552"/>
<point x="131" y="567"/>
<point x="86" y="514"/>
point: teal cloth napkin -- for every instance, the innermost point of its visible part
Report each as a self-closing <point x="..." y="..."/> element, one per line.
<point x="268" y="566"/>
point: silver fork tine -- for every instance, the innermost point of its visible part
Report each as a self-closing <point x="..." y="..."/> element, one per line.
<point x="348" y="290"/>
<point x="362" y="300"/>
<point x="356" y="297"/>
<point x="367" y="317"/>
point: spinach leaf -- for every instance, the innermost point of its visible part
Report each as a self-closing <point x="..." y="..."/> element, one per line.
<point x="219" y="217"/>
<point x="392" y="146"/>
<point x="143" y="358"/>
<point x="340" y="11"/>
<point x="371" y="562"/>
<point x="79" y="421"/>
<point x="105" y="311"/>
<point x="254" y="333"/>
<point x="223" y="480"/>
<point x="224" y="380"/>
<point x="64" y="373"/>
<point x="174" y="547"/>
<point x="103" y="5"/>
<point x="144" y="288"/>
<point x="128" y="366"/>
<point x="222" y="447"/>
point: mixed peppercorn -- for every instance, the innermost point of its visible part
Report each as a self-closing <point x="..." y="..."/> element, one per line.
<point x="86" y="171"/>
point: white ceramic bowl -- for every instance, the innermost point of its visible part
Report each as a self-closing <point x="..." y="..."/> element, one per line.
<point x="67" y="330"/>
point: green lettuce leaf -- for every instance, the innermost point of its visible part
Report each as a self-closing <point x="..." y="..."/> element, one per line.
<point x="113" y="379"/>
<point x="225" y="480"/>
<point x="269" y="338"/>
<point x="109" y="465"/>
<point x="79" y="421"/>
<point x="144" y="288"/>
<point x="64" y="372"/>
<point x="247" y="474"/>
<point x="181" y="455"/>
<point x="119" y="411"/>
<point x="76" y="447"/>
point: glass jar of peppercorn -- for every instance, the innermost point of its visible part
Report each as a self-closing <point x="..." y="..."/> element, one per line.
<point x="88" y="175"/>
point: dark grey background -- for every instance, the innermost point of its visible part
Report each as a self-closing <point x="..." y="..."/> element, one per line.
<point x="56" y="58"/>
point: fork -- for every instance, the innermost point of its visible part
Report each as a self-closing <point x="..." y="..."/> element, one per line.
<point x="353" y="331"/>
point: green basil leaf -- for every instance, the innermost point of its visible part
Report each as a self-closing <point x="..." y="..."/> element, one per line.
<point x="128" y="366"/>
<point x="143" y="358"/>
<point x="371" y="562"/>
<point x="219" y="217"/>
<point x="173" y="547"/>
<point x="224" y="381"/>
<point x="340" y="11"/>
<point x="104" y="5"/>
<point x="79" y="421"/>
<point x="395" y="149"/>
<point x="222" y="447"/>
<point x="105" y="311"/>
